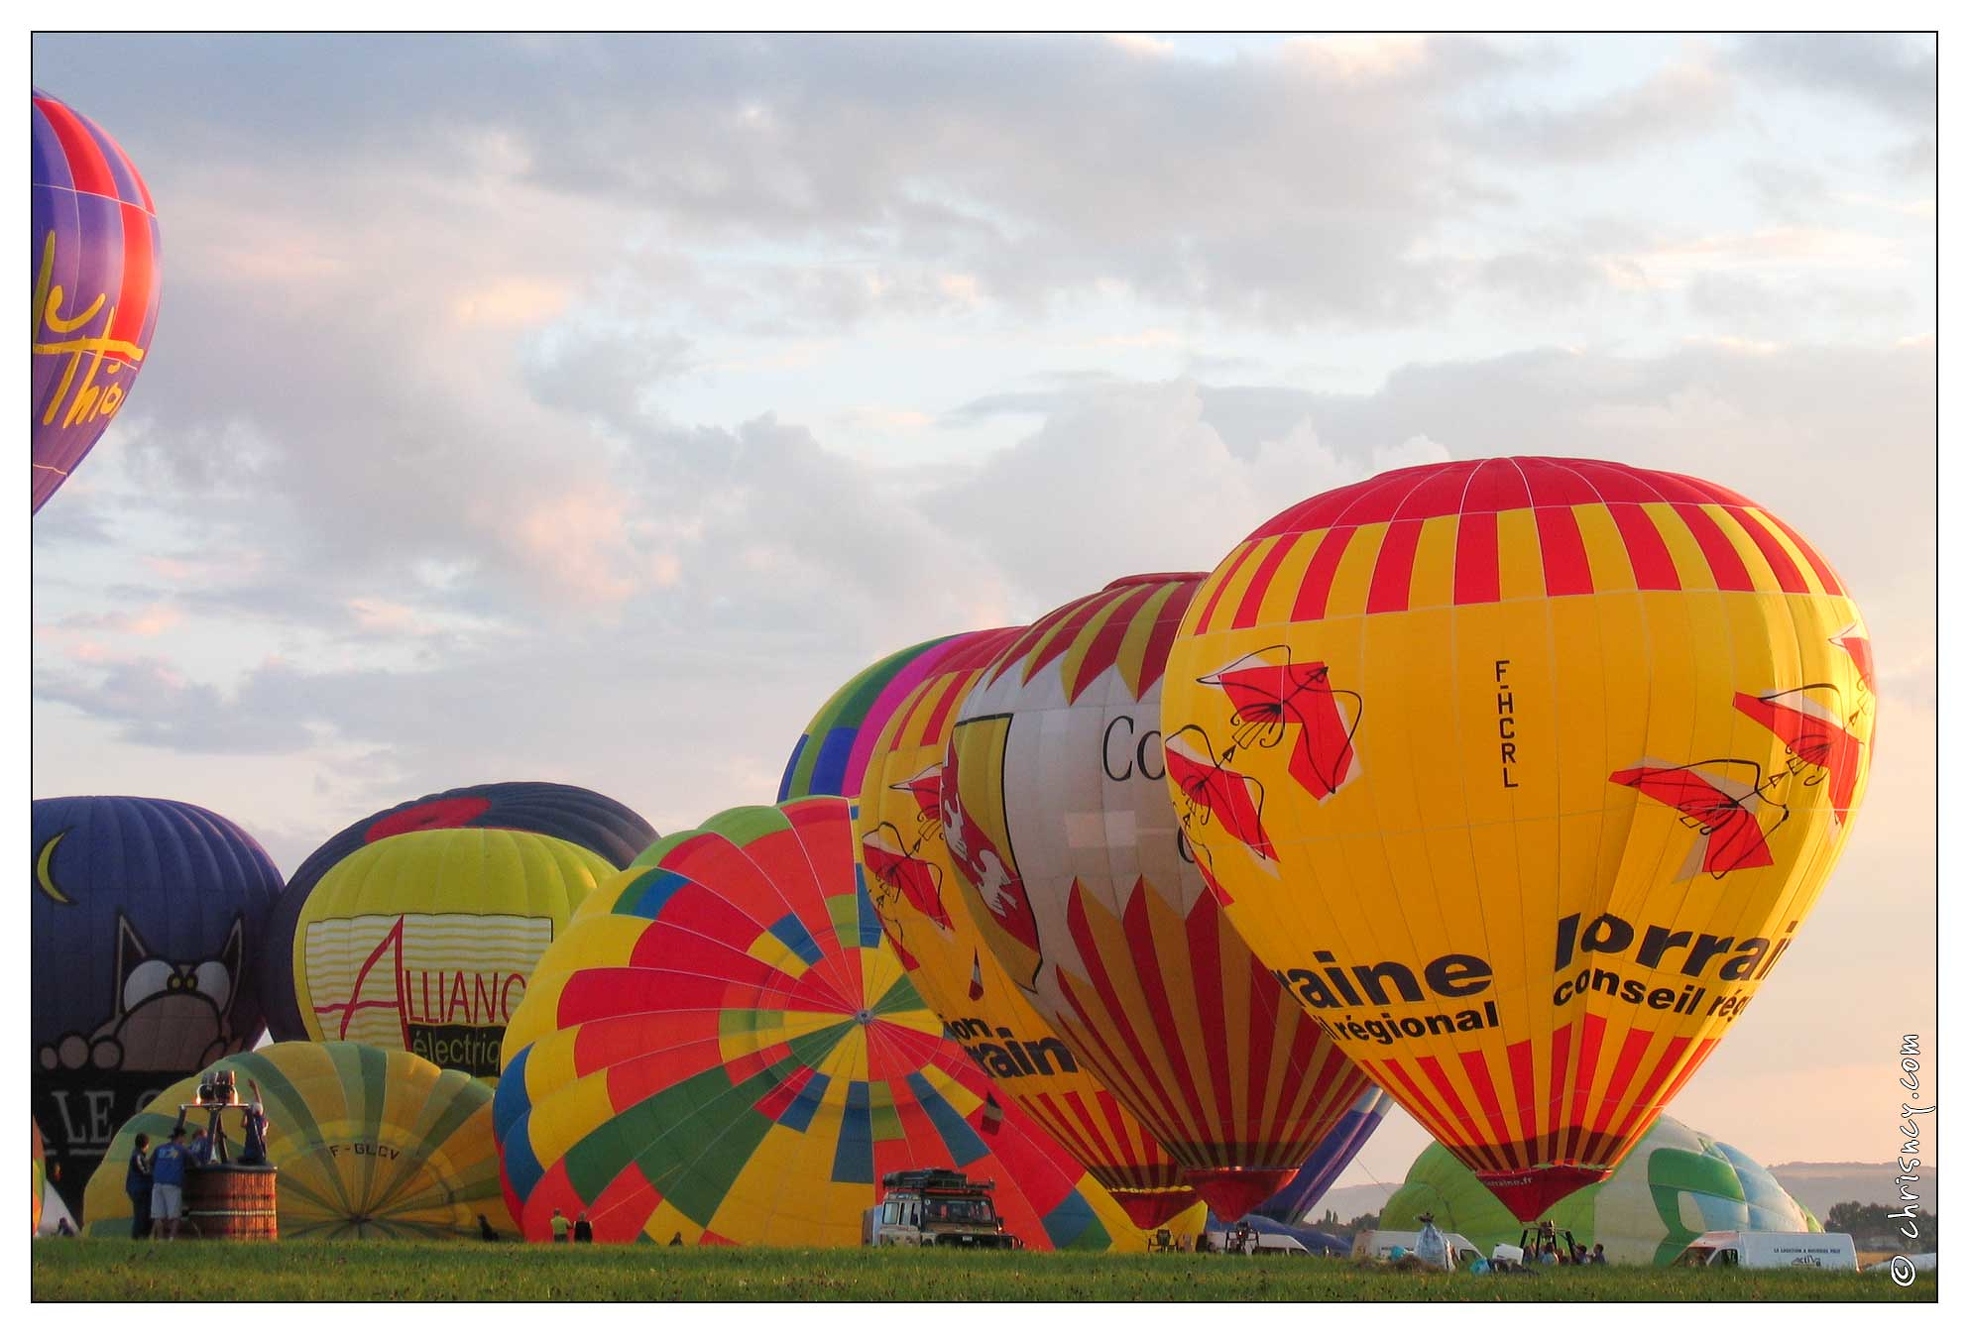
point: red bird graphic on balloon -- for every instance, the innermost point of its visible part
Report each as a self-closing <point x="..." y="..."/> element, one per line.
<point x="1818" y="746"/>
<point x="1719" y="808"/>
<point x="994" y="875"/>
<point x="1271" y="692"/>
<point x="1213" y="792"/>
<point x="916" y="880"/>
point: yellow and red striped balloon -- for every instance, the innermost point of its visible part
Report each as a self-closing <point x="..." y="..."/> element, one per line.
<point x="1073" y="865"/>
<point x="913" y="884"/>
<point x="1521" y="774"/>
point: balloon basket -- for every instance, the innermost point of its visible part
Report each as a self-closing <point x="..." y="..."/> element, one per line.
<point x="228" y="1202"/>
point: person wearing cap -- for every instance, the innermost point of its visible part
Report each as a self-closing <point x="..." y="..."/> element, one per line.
<point x="167" y="1182"/>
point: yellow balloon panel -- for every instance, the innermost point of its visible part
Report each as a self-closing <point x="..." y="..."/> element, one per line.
<point x="1522" y="774"/>
<point x="916" y="894"/>
<point x="425" y="941"/>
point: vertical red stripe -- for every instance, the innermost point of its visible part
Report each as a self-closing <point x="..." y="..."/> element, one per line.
<point x="1533" y="1116"/>
<point x="1314" y="588"/>
<point x="1647" y="553"/>
<point x="1563" y="551"/>
<point x="1466" y="1124"/>
<point x="1105" y="647"/>
<point x="1629" y="1060"/>
<point x="1790" y="578"/>
<point x="133" y="294"/>
<point x="1724" y="563"/>
<point x="1561" y="1094"/>
<point x="1592" y="1032"/>
<point x="1206" y="622"/>
<point x="1480" y="1082"/>
<point x="1476" y="558"/>
<point x="1827" y="579"/>
<point x="1388" y="590"/>
<point x="1647" y="1092"/>
<point x="86" y="164"/>
<point x="1420" y="1107"/>
<point x="1246" y="615"/>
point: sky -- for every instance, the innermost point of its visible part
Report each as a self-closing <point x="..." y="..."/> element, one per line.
<point x="589" y="409"/>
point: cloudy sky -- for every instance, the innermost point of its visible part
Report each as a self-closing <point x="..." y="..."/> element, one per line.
<point x="589" y="409"/>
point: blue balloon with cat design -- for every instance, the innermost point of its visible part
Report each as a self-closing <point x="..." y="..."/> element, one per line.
<point x="146" y="919"/>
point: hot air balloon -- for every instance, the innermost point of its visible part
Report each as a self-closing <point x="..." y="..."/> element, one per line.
<point x="424" y="942"/>
<point x="38" y="1179"/>
<point x="833" y="753"/>
<point x="94" y="266"/>
<point x="1296" y="1199"/>
<point x="1672" y="1187"/>
<point x="600" y="824"/>
<point x="723" y="1048"/>
<point x="913" y="885"/>
<point x="1522" y="774"/>
<point x="370" y="1144"/>
<point x="146" y="915"/>
<point x="1070" y="859"/>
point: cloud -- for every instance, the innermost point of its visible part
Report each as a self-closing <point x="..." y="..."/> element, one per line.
<point x="1674" y="103"/>
<point x="1890" y="73"/>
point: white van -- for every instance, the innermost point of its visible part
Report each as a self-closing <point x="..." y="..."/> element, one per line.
<point x="1380" y="1245"/>
<point x="1260" y="1243"/>
<point x="1773" y="1250"/>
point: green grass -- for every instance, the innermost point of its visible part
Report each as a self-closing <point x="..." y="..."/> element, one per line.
<point x="101" y="1269"/>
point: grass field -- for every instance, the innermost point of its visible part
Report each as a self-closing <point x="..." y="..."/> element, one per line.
<point x="97" y="1269"/>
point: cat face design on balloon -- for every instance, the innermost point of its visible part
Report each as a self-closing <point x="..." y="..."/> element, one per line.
<point x="166" y="1015"/>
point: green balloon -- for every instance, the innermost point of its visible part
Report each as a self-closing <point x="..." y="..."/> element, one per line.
<point x="1674" y="1186"/>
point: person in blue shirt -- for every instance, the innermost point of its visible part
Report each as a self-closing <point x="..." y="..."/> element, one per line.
<point x="136" y="1184"/>
<point x="167" y="1177"/>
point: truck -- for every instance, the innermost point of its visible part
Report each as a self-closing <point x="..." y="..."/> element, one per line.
<point x="1773" y="1250"/>
<point x="936" y="1206"/>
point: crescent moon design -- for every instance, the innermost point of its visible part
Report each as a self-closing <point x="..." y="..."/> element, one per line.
<point x="44" y="879"/>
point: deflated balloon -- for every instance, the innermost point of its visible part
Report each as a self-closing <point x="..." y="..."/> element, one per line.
<point x="723" y="1049"/>
<point x="1522" y="774"/>
<point x="369" y="1143"/>
<point x="1675" y="1185"/>
<point x="96" y="278"/>
<point x="913" y="882"/>
<point x="146" y="915"/>
<point x="425" y="942"/>
<point x="1071" y="861"/>
<point x="588" y="819"/>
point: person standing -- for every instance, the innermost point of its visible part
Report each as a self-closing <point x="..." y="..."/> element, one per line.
<point x="583" y="1229"/>
<point x="254" y="1118"/>
<point x="559" y="1224"/>
<point x="167" y="1178"/>
<point x="136" y="1184"/>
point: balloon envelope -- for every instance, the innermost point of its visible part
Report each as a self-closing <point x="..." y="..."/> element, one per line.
<point x="96" y="278"/>
<point x="38" y="1179"/>
<point x="724" y="1048"/>
<point x="917" y="896"/>
<point x="576" y="815"/>
<point x="1070" y="859"/>
<point x="425" y="942"/>
<point x="832" y="755"/>
<point x="370" y="1144"/>
<point x="1522" y="773"/>
<point x="1674" y="1186"/>
<point x="146" y="915"/>
<point x="1324" y="1165"/>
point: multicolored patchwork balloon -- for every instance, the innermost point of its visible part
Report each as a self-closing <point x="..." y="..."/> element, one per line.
<point x="1070" y="859"/>
<point x="723" y="1049"/>
<point x="96" y="279"/>
<point x="369" y="1143"/>
<point x="833" y="753"/>
<point x="914" y="884"/>
<point x="1522" y="774"/>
